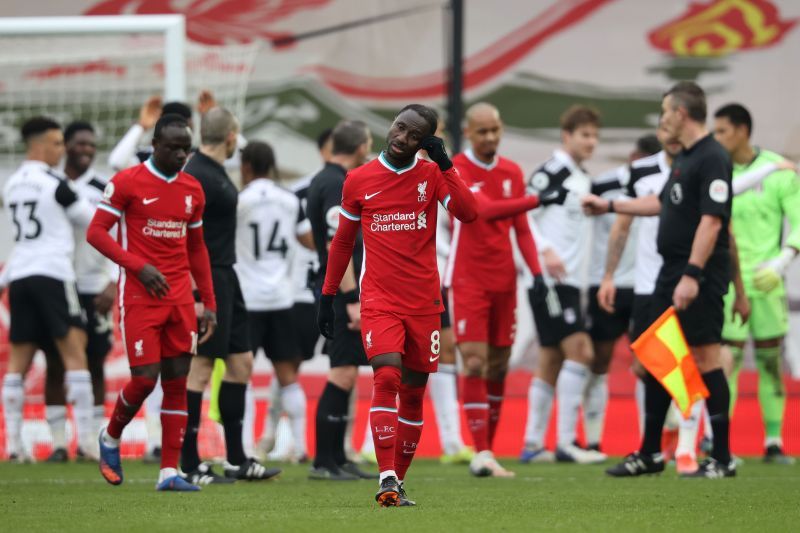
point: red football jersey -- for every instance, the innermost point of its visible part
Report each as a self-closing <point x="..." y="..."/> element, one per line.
<point x="481" y="251"/>
<point x="155" y="212"/>
<point x="397" y="210"/>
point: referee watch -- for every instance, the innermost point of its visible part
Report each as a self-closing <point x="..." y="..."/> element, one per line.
<point x="694" y="271"/>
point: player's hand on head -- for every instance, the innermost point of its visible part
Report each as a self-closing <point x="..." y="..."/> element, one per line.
<point x="105" y="300"/>
<point x="208" y="323"/>
<point x="150" y="112"/>
<point x="606" y="295"/>
<point x="434" y="146"/>
<point x="594" y="205"/>
<point x="325" y="315"/>
<point x="154" y="281"/>
<point x="685" y="293"/>
<point x="205" y="101"/>
<point x="554" y="265"/>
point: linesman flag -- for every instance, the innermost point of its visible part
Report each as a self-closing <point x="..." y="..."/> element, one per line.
<point x="663" y="351"/>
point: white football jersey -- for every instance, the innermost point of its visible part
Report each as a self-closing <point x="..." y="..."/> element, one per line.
<point x="269" y="219"/>
<point x="611" y="185"/>
<point x="563" y="228"/>
<point x="44" y="242"/>
<point x="306" y="262"/>
<point x="93" y="270"/>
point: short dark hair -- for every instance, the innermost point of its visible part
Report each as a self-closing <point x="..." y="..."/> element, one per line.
<point x="737" y="114"/>
<point x="36" y="126"/>
<point x="427" y="113"/>
<point x="689" y="95"/>
<point x="348" y="135"/>
<point x="177" y="108"/>
<point x="169" y="120"/>
<point x="648" y="144"/>
<point x="76" y="126"/>
<point x="579" y="115"/>
<point x="323" y="137"/>
<point x="260" y="156"/>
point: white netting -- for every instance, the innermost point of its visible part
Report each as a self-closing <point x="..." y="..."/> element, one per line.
<point x="104" y="79"/>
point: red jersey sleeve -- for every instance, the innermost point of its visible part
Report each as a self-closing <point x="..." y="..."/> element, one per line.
<point x="456" y="197"/>
<point x="351" y="200"/>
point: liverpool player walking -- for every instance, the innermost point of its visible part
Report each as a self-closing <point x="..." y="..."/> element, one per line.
<point x="160" y="248"/>
<point x="393" y="200"/>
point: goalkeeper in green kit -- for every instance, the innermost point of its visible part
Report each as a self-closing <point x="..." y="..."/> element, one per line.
<point x="758" y="224"/>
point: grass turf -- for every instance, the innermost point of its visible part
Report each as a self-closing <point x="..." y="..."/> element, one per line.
<point x="73" y="497"/>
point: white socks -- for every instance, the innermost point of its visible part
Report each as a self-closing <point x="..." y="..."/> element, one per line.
<point x="293" y="398"/>
<point x="687" y="434"/>
<point x="152" y="416"/>
<point x="639" y="394"/>
<point x="249" y="421"/>
<point x="13" y="402"/>
<point x="274" y="411"/>
<point x="594" y="407"/>
<point x="98" y="417"/>
<point x="78" y="384"/>
<point x="56" y="416"/>
<point x="540" y="405"/>
<point x="443" y="390"/>
<point x="108" y="440"/>
<point x="385" y="474"/>
<point x="569" y="389"/>
<point x="166" y="473"/>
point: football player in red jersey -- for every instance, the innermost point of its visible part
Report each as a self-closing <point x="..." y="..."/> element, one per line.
<point x="393" y="200"/>
<point x="483" y="293"/>
<point x="159" y="248"/>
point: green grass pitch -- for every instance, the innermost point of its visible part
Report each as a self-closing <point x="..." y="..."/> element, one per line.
<point x="73" y="497"/>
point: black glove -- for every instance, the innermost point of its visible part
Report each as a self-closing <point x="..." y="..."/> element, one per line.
<point x="539" y="291"/>
<point x="554" y="196"/>
<point x="325" y="316"/>
<point x="435" y="148"/>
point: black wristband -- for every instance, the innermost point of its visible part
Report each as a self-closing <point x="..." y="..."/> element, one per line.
<point x="693" y="271"/>
<point x="350" y="297"/>
<point x="611" y="206"/>
<point x="196" y="295"/>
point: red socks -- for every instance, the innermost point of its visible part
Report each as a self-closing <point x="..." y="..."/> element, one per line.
<point x="476" y="409"/>
<point x="383" y="414"/>
<point x="409" y="427"/>
<point x="128" y="402"/>
<point x="173" y="420"/>
<point x="495" y="390"/>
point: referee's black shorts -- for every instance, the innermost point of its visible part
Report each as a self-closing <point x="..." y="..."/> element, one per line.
<point x="604" y="326"/>
<point x="233" y="332"/>
<point x="345" y="348"/>
<point x="702" y="320"/>
<point x="43" y="308"/>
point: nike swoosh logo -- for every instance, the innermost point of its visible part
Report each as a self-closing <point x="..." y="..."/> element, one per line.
<point x="148" y="201"/>
<point x="368" y="196"/>
<point x="432" y="359"/>
<point x="384" y="437"/>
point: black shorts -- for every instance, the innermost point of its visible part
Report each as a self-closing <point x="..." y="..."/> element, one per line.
<point x="604" y="326"/>
<point x="233" y="332"/>
<point x="99" y="329"/>
<point x="272" y="331"/>
<point x="43" y="308"/>
<point x="559" y="316"/>
<point x="345" y="348"/>
<point x="306" y="331"/>
<point x="702" y="321"/>
<point x="642" y="316"/>
<point x="446" y="313"/>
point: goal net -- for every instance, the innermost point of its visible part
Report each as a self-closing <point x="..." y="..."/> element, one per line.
<point x="102" y="69"/>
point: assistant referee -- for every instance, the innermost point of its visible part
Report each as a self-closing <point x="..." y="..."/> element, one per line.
<point x="693" y="239"/>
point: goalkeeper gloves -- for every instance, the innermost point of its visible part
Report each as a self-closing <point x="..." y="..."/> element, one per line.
<point x="769" y="274"/>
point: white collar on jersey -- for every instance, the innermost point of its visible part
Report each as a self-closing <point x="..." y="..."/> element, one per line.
<point x="391" y="167"/>
<point x="36" y="163"/>
<point x="157" y="173"/>
<point x="478" y="163"/>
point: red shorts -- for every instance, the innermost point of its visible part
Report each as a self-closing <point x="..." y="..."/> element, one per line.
<point x="416" y="337"/>
<point x="483" y="316"/>
<point x="151" y="333"/>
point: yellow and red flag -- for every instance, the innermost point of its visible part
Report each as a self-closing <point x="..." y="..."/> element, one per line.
<point x="663" y="351"/>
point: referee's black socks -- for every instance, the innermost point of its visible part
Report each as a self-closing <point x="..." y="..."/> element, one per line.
<point x="656" y="404"/>
<point x="231" y="411"/>
<point x="718" y="403"/>
<point x="331" y="424"/>
<point x="190" y="457"/>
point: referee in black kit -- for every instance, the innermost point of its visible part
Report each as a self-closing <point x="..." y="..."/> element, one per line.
<point x="231" y="340"/>
<point x="693" y="239"/>
<point x="352" y="142"/>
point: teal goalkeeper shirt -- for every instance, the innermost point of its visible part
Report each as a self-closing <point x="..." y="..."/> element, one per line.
<point x="758" y="218"/>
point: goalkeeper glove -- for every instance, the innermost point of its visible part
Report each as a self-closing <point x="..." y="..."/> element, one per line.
<point x="769" y="274"/>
